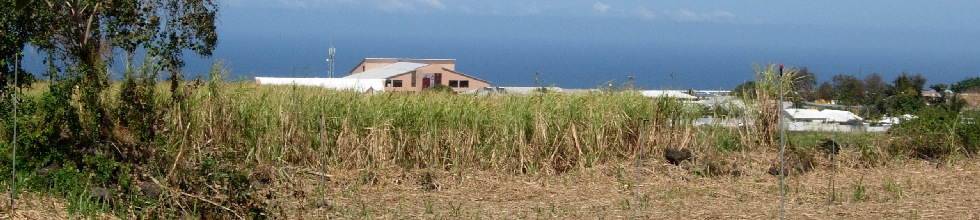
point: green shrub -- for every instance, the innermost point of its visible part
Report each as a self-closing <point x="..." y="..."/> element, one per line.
<point x="935" y="134"/>
<point x="969" y="132"/>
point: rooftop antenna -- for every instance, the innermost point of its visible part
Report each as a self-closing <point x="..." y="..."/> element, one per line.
<point x="330" y="54"/>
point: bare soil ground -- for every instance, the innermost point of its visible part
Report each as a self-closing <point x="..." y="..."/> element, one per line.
<point x="32" y="205"/>
<point x="913" y="189"/>
<point x="908" y="189"/>
<point x="972" y="100"/>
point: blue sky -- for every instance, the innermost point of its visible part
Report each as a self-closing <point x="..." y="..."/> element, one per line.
<point x="708" y="44"/>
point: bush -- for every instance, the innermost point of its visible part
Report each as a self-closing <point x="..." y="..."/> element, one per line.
<point x="936" y="134"/>
<point x="969" y="132"/>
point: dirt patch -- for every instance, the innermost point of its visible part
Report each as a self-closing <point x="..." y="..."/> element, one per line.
<point x="912" y="189"/>
<point x="31" y="205"/>
<point x="972" y="100"/>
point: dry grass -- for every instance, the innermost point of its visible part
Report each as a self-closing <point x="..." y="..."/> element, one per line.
<point x="912" y="190"/>
<point x="31" y="205"/>
<point x="972" y="100"/>
<point x="236" y="149"/>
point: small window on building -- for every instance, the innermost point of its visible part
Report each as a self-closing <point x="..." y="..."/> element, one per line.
<point x="464" y="83"/>
<point x="454" y="83"/>
<point x="388" y="83"/>
<point x="396" y="83"/>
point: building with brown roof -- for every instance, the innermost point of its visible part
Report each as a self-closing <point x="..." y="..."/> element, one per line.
<point x="415" y="74"/>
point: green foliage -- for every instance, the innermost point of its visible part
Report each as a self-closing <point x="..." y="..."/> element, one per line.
<point x="724" y="139"/>
<point x="968" y="131"/>
<point x="439" y="88"/>
<point x="805" y="85"/>
<point x="937" y="133"/>
<point x="75" y="122"/>
<point x="15" y="30"/>
<point x="850" y="90"/>
<point x="770" y="85"/>
<point x="137" y="110"/>
<point x="825" y="92"/>
<point x="745" y="90"/>
<point x="860" y="191"/>
<point x="901" y="104"/>
<point x="102" y="169"/>
<point x="966" y="84"/>
<point x="907" y="84"/>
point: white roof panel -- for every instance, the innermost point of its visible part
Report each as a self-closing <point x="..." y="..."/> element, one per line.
<point x="387" y="71"/>
<point x="840" y="116"/>
<point x="667" y="93"/>
<point x="360" y="85"/>
<point x="827" y="115"/>
<point x="796" y="113"/>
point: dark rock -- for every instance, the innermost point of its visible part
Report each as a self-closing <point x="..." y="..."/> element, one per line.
<point x="830" y="146"/>
<point x="428" y="181"/>
<point x="151" y="190"/>
<point x="796" y="164"/>
<point x="101" y="194"/>
<point x="48" y="169"/>
<point x="323" y="204"/>
<point x="935" y="162"/>
<point x="261" y="177"/>
<point x="773" y="170"/>
<point x="675" y="156"/>
<point x="719" y="166"/>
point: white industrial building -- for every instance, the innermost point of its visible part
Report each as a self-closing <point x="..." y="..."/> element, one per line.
<point x="822" y="120"/>
<point x="668" y="94"/>
<point x="353" y="84"/>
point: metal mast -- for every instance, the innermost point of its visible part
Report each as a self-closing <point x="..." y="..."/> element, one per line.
<point x="330" y="54"/>
<point x="13" y="156"/>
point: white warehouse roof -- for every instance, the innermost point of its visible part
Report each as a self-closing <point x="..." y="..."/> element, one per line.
<point x="840" y="116"/>
<point x="827" y="115"/>
<point x="796" y="113"/>
<point x="667" y="93"/>
<point x="360" y="85"/>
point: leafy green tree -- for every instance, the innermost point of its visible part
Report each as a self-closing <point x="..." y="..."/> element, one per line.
<point x="16" y="25"/>
<point x="745" y="90"/>
<point x="80" y="38"/>
<point x="849" y="89"/>
<point x="875" y="87"/>
<point x="909" y="85"/>
<point x="903" y="104"/>
<point x="805" y="84"/>
<point x="966" y="84"/>
<point x="905" y="96"/>
<point x="941" y="89"/>
<point x="876" y="91"/>
<point x="825" y="91"/>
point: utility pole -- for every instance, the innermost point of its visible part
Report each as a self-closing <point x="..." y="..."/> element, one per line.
<point x="782" y="150"/>
<point x="330" y="54"/>
<point x="13" y="155"/>
<point x="537" y="78"/>
<point x="672" y="75"/>
<point x="631" y="82"/>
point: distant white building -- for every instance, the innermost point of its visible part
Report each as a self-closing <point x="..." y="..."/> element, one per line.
<point x="500" y="90"/>
<point x="358" y="85"/>
<point x="822" y="120"/>
<point x="668" y="94"/>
